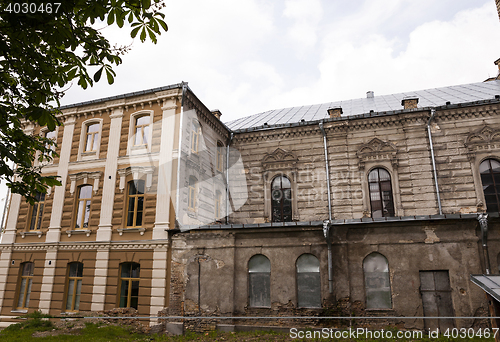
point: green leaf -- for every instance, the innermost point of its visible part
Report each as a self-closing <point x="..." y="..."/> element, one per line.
<point x="143" y="34"/>
<point x="134" y="32"/>
<point x="110" y="77"/>
<point x="97" y="75"/>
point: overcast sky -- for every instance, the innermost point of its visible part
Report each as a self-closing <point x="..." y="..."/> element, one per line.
<point x="248" y="56"/>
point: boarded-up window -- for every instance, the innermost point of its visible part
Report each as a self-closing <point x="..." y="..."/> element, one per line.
<point x="308" y="282"/>
<point x="377" y="283"/>
<point x="259" y="281"/>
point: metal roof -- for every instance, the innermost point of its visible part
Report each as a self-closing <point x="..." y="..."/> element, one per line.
<point x="489" y="283"/>
<point x="379" y="103"/>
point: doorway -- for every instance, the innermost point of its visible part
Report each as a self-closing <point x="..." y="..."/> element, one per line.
<point x="436" y="299"/>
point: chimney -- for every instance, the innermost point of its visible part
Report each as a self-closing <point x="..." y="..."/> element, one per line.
<point x="216" y="113"/>
<point x="409" y="102"/>
<point x="370" y="94"/>
<point x="335" y="112"/>
<point x="497" y="63"/>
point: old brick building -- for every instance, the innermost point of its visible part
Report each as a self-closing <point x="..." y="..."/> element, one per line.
<point x="368" y="206"/>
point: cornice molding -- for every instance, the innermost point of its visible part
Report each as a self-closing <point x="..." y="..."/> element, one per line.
<point x="62" y="246"/>
<point x="190" y="101"/>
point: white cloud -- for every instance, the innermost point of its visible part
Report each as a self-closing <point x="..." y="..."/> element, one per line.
<point x="306" y="15"/>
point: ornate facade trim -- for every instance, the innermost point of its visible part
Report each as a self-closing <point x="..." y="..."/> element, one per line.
<point x="377" y="150"/>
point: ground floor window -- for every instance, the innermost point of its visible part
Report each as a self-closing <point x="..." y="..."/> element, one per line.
<point x="129" y="285"/>
<point x="74" y="286"/>
<point x="25" y="285"/>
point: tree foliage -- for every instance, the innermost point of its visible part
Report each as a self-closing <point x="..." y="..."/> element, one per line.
<point x="43" y="48"/>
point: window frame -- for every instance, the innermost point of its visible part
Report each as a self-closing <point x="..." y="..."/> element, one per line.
<point x="192" y="193"/>
<point x="318" y="285"/>
<point x="497" y="194"/>
<point x="132" y="148"/>
<point x="220" y="157"/>
<point x="282" y="191"/>
<point x="83" y="154"/>
<point x="250" y="282"/>
<point x="195" y="136"/>
<point x="379" y="182"/>
<point x="38" y="215"/>
<point x="130" y="280"/>
<point x="388" y="280"/>
<point x="75" y="279"/>
<point x="136" y="201"/>
<point x="27" y="287"/>
<point x="77" y="201"/>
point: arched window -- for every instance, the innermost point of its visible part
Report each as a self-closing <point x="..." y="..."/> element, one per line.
<point x="259" y="281"/>
<point x="308" y="282"/>
<point x="220" y="156"/>
<point x="377" y="283"/>
<point x="281" y="199"/>
<point x="141" y="130"/>
<point x="37" y="212"/>
<point x="83" y="208"/>
<point x="192" y="193"/>
<point x="26" y="280"/>
<point x="129" y="285"/>
<point x="490" y="177"/>
<point x="135" y="203"/>
<point x="92" y="138"/>
<point x="75" y="276"/>
<point x="379" y="182"/>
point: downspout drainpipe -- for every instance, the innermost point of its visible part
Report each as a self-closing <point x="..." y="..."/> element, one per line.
<point x="433" y="112"/>
<point x="227" y="176"/>
<point x="483" y="223"/>
<point x="327" y="224"/>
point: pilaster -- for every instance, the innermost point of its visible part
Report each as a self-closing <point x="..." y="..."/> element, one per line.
<point x="108" y="188"/>
<point x="48" y="280"/>
<point x="158" y="280"/>
<point x="165" y="167"/>
<point x="54" y="233"/>
<point x="100" y="278"/>
<point x="5" y="260"/>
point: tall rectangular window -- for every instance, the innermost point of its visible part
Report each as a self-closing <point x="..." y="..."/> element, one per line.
<point x="141" y="130"/>
<point x="92" y="138"/>
<point x="135" y="203"/>
<point x="220" y="156"/>
<point x="192" y="193"/>
<point x="74" y="286"/>
<point x="25" y="285"/>
<point x="37" y="212"/>
<point x="83" y="207"/>
<point x="129" y="285"/>
<point x="195" y="136"/>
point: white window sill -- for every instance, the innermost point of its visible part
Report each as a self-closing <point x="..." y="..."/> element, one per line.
<point x="130" y="230"/>
<point x="31" y="232"/>
<point x="79" y="231"/>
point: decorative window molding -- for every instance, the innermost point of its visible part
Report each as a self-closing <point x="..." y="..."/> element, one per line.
<point x="482" y="144"/>
<point x="85" y="176"/>
<point x="136" y="143"/>
<point x="379" y="154"/>
<point x="138" y="172"/>
<point x="95" y="144"/>
<point x="279" y="163"/>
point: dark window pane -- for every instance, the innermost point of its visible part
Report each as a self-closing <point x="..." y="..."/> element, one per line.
<point x="126" y="270"/>
<point x="138" y="219"/>
<point x="136" y="268"/>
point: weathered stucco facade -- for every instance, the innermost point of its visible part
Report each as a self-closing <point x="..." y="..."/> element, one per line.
<point x="211" y="238"/>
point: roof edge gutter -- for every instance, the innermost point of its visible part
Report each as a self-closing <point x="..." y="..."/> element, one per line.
<point x="433" y="113"/>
